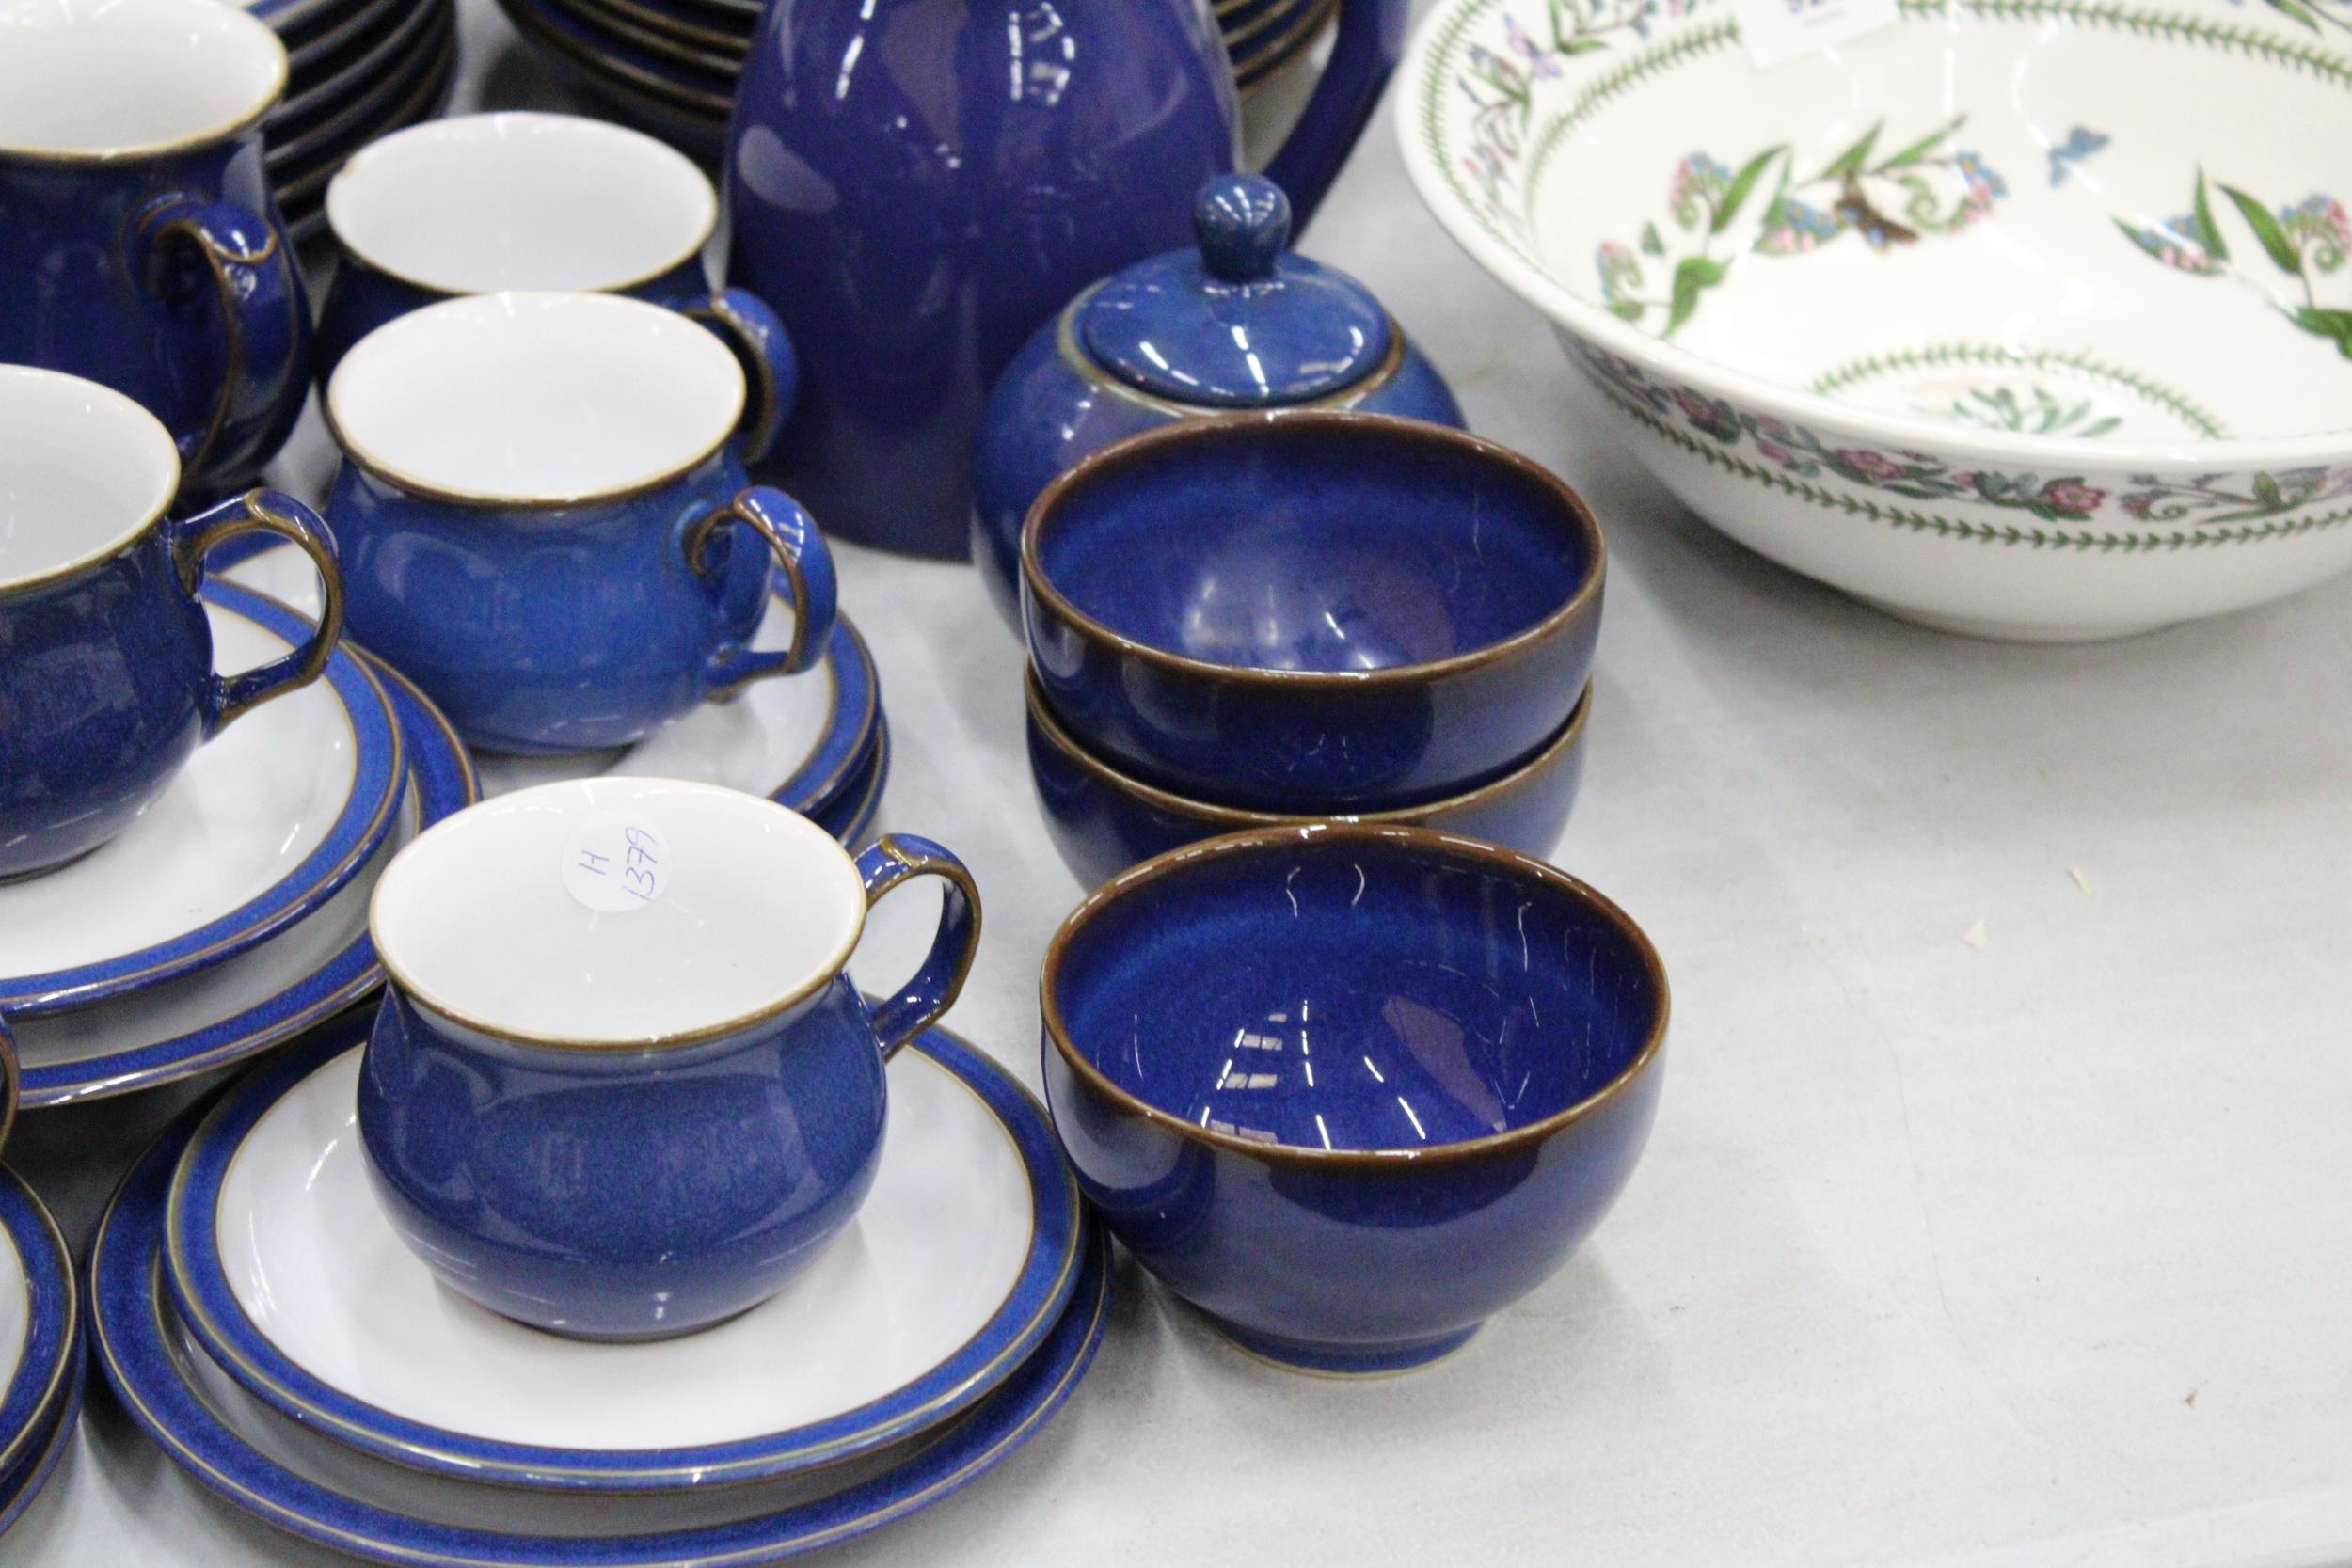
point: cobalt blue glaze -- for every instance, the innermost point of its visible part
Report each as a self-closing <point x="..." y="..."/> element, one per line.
<point x="628" y="1193"/>
<point x="1351" y="1090"/>
<point x="621" y="1195"/>
<point x="1103" y="821"/>
<point x="361" y="298"/>
<point x="107" y="682"/>
<point x="576" y="629"/>
<point x="135" y="1341"/>
<point x="1312" y="613"/>
<point x="167" y="277"/>
<point x="51" y="1349"/>
<point x="918" y="184"/>
<point x="1039" y="1293"/>
<point x="1233" y="321"/>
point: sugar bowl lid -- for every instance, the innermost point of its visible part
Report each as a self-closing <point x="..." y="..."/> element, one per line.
<point x="1240" y="323"/>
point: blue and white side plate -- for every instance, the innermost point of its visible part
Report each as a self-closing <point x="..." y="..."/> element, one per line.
<point x="961" y="1260"/>
<point x="41" y="1336"/>
<point x="801" y="740"/>
<point x="306" y="1482"/>
<point x="234" y="1009"/>
<point x="263" y="824"/>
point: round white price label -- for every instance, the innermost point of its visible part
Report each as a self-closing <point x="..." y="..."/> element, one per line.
<point x="616" y="862"/>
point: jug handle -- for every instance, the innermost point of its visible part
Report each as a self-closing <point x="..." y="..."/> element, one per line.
<point x="902" y="858"/>
<point x="1371" y="41"/>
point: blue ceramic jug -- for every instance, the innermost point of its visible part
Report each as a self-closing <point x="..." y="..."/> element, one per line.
<point x="917" y="185"/>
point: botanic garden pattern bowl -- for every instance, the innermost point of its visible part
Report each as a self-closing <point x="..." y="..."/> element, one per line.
<point x="2062" y="349"/>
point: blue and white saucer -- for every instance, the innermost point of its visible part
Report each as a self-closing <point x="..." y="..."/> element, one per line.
<point x="265" y="823"/>
<point x="305" y="1482"/>
<point x="803" y="741"/>
<point x="40" y="1345"/>
<point x="961" y="1260"/>
<point x="305" y="973"/>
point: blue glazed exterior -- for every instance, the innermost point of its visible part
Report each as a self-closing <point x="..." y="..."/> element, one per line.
<point x="1312" y="614"/>
<point x="1103" y="821"/>
<point x="108" y="683"/>
<point x="49" y="1366"/>
<point x="1038" y="1294"/>
<point x="361" y="298"/>
<point x="915" y="222"/>
<point x="571" y="628"/>
<point x="1382" y="1253"/>
<point x="699" y="1177"/>
<point x="121" y="271"/>
<point x="1058" y="401"/>
<point x="153" y="1377"/>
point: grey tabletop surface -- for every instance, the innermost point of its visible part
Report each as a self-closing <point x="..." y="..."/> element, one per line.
<point x="1999" y="1210"/>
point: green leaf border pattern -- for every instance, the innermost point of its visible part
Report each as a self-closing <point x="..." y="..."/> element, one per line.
<point x="1938" y="355"/>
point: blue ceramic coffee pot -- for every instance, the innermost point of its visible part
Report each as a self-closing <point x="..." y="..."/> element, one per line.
<point x="158" y="267"/>
<point x="917" y="185"/>
<point x="625" y="1120"/>
<point x="1233" y="322"/>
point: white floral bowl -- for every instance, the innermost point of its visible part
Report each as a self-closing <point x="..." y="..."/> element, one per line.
<point x="2024" y="318"/>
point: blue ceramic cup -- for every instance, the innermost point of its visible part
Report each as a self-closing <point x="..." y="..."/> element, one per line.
<point x="107" y="679"/>
<point x="622" y="1086"/>
<point x="139" y="244"/>
<point x="482" y="203"/>
<point x="1314" y="613"/>
<point x="1351" y="1090"/>
<point x="546" y="523"/>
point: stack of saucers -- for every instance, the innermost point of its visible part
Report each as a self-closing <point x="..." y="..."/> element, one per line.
<point x="40" y="1330"/>
<point x="817" y="743"/>
<point x="670" y="66"/>
<point x="1243" y="622"/>
<point x="357" y="69"/>
<point x="233" y="914"/>
<point x="262" y="1320"/>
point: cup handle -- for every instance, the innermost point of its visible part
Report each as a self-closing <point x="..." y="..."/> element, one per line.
<point x="12" y="1081"/>
<point x="230" y="697"/>
<point x="792" y="538"/>
<point x="742" y="321"/>
<point x="902" y="858"/>
<point x="264" y="320"/>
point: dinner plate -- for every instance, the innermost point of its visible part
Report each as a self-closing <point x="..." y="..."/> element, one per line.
<point x="306" y="973"/>
<point x="717" y="60"/>
<point x="373" y="58"/>
<point x="798" y="740"/>
<point x="21" y="1485"/>
<point x="301" y="191"/>
<point x="317" y="51"/>
<point x="606" y="59"/>
<point x="361" y="116"/>
<point x="40" y="1337"/>
<point x="960" y="1258"/>
<point x="309" y="1485"/>
<point x="265" y="822"/>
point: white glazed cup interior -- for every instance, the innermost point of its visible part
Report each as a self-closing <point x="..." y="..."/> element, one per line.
<point x="521" y="201"/>
<point x="755" y="908"/>
<point x="536" y="399"/>
<point x="114" y="78"/>
<point x="82" y="471"/>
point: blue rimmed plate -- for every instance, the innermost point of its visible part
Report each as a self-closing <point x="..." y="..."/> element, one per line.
<point x="961" y="1260"/>
<point x="263" y="824"/>
<point x="40" y="1333"/>
<point x="303" y="1482"/>
<point x="19" y="1486"/>
<point x="801" y="742"/>
<point x="257" y="999"/>
<point x="850" y="817"/>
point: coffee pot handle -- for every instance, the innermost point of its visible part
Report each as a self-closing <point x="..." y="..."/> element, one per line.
<point x="742" y="321"/>
<point x="1370" y="43"/>
<point x="265" y="327"/>
<point x="900" y="858"/>
<point x="230" y="697"/>
<point x="791" y="537"/>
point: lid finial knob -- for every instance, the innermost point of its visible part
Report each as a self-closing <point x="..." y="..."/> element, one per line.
<point x="1242" y="222"/>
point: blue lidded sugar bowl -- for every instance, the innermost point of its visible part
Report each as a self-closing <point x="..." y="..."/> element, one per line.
<point x="1238" y="323"/>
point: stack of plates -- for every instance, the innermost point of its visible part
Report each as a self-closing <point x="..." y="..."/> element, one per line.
<point x="360" y="69"/>
<point x="40" y="1347"/>
<point x="669" y="66"/>
<point x="261" y="1320"/>
<point x="232" y="916"/>
<point x="816" y="741"/>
